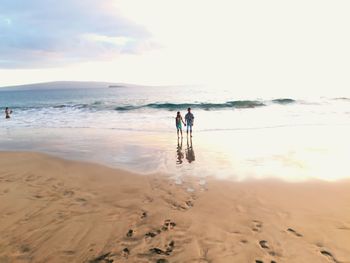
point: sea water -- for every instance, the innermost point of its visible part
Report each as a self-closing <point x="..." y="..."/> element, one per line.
<point x="235" y="137"/>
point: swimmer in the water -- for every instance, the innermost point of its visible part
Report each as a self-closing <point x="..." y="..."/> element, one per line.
<point x="7" y="113"/>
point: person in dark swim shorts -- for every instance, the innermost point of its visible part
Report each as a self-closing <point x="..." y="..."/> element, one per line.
<point x="189" y="119"/>
<point x="7" y="113"/>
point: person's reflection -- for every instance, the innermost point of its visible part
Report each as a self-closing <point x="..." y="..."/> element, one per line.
<point x="189" y="151"/>
<point x="179" y="152"/>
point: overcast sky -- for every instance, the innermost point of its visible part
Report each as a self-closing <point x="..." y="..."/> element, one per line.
<point x="263" y="47"/>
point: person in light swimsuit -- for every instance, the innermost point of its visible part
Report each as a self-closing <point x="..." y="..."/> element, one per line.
<point x="178" y="122"/>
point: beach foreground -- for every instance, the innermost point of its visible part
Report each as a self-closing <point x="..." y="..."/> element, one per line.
<point x="54" y="210"/>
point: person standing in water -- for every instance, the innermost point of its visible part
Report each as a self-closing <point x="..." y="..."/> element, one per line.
<point x="7" y="113"/>
<point x="189" y="119"/>
<point x="178" y="122"/>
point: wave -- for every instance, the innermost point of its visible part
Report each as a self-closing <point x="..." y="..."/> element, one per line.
<point x="283" y="101"/>
<point x="78" y="106"/>
<point x="342" y="98"/>
<point x="239" y="104"/>
<point x="108" y="106"/>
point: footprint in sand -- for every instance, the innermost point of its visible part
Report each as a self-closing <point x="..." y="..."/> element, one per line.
<point x="344" y="227"/>
<point x="69" y="252"/>
<point x="80" y="200"/>
<point x="68" y="193"/>
<point x="152" y="234"/>
<point x="182" y="207"/>
<point x="291" y="230"/>
<point x="144" y="215"/>
<point x="189" y="203"/>
<point x="24" y="249"/>
<point x="147" y="199"/>
<point x="105" y="258"/>
<point x="263" y="244"/>
<point x="243" y="241"/>
<point x="169" y="248"/>
<point x="130" y="239"/>
<point x="130" y="233"/>
<point x="240" y="209"/>
<point x="30" y="178"/>
<point x="158" y="251"/>
<point x="329" y="255"/>
<point x="257" y="226"/>
<point x="168" y="225"/>
<point x="125" y="252"/>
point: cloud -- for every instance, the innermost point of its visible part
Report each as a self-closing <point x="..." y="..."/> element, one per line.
<point x="40" y="33"/>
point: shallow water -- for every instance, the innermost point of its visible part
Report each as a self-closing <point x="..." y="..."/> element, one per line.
<point x="293" y="140"/>
<point x="290" y="154"/>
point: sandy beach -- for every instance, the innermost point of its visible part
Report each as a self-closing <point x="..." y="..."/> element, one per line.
<point x="54" y="210"/>
<point x="174" y="131"/>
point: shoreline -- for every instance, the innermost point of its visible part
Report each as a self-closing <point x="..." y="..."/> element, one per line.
<point x="266" y="155"/>
<point x="57" y="210"/>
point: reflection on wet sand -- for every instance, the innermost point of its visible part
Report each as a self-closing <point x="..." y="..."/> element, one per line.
<point x="189" y="151"/>
<point x="180" y="154"/>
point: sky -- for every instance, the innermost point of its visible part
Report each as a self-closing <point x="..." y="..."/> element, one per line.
<point x="259" y="47"/>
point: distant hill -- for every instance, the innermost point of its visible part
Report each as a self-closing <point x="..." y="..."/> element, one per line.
<point x="68" y="85"/>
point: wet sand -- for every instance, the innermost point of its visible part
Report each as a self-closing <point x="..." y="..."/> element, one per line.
<point x="54" y="210"/>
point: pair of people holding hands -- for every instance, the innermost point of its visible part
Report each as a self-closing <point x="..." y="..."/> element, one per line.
<point x="189" y="119"/>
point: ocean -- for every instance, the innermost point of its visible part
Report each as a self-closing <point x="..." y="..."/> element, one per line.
<point x="238" y="138"/>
